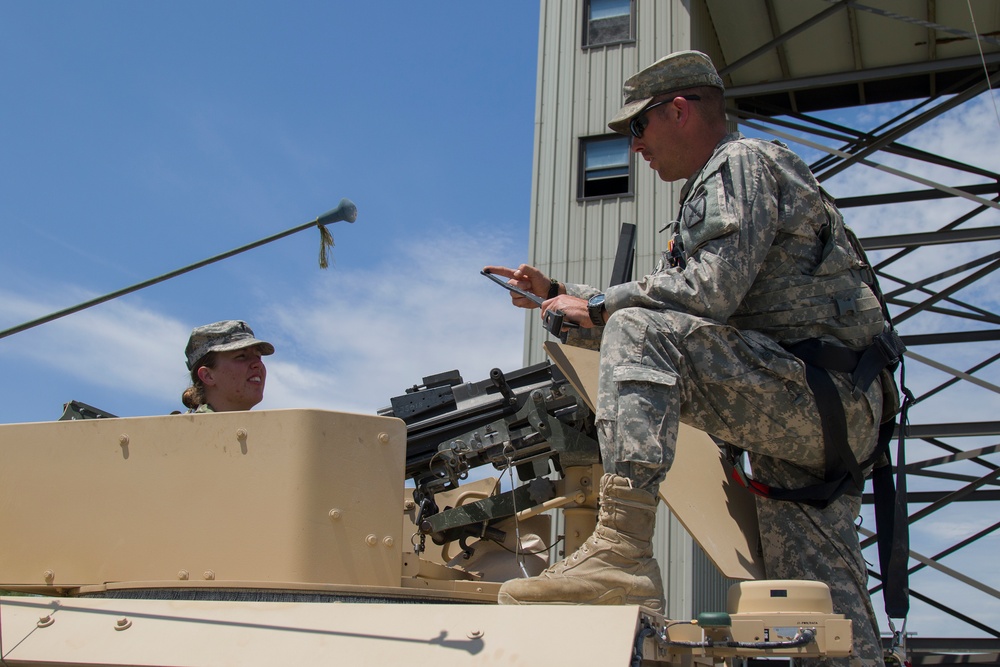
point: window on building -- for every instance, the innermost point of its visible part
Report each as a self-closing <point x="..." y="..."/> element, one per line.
<point x="605" y="167"/>
<point x="607" y="22"/>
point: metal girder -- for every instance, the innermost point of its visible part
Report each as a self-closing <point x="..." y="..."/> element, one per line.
<point x="874" y="74"/>
<point x="950" y="337"/>
<point x="935" y="565"/>
<point x="931" y="238"/>
<point x="973" y="489"/>
<point x="835" y="54"/>
<point x="953" y="430"/>
<point x="915" y="195"/>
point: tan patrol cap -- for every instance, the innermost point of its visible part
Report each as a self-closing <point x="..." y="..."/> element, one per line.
<point x="678" y="71"/>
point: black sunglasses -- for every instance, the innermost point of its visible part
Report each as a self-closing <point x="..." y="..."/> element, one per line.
<point x="638" y="124"/>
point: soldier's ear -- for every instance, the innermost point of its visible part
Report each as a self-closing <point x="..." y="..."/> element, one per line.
<point x="205" y="375"/>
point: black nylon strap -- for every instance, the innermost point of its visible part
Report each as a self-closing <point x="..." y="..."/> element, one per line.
<point x="839" y="457"/>
<point x="825" y="355"/>
<point x="841" y="469"/>
<point x="816" y="495"/>
<point x="892" y="523"/>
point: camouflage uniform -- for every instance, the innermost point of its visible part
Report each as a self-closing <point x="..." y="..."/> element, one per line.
<point x="204" y="407"/>
<point x="766" y="263"/>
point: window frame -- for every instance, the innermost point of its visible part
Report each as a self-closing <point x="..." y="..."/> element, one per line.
<point x="581" y="169"/>
<point x="585" y="32"/>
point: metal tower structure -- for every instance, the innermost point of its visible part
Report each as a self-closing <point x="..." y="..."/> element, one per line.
<point x="866" y="91"/>
<point x="930" y="224"/>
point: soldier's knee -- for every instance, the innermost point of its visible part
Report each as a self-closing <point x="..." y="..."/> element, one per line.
<point x="627" y="324"/>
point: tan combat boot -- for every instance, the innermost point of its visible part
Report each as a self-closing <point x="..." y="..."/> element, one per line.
<point x="614" y="566"/>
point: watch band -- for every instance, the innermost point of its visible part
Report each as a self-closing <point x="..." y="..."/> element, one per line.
<point x="596" y="309"/>
<point x="553" y="289"/>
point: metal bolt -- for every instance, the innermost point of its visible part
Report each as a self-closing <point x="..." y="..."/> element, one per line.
<point x="49" y="576"/>
<point x="383" y="438"/>
<point x="475" y="634"/>
<point x="387" y="541"/>
<point x="371" y="540"/>
<point x="183" y="575"/>
<point x="45" y="621"/>
<point x="209" y="575"/>
<point x="335" y="514"/>
<point x="123" y="624"/>
<point x="241" y="434"/>
<point x="123" y="440"/>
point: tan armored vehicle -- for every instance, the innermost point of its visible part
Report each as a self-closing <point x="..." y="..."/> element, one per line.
<point x="318" y="537"/>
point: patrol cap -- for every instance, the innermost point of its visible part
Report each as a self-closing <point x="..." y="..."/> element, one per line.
<point x="678" y="71"/>
<point x="221" y="337"/>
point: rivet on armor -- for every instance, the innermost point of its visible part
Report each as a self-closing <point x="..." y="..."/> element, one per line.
<point x="183" y="575"/>
<point x="335" y="514"/>
<point x="49" y="576"/>
<point x="371" y="540"/>
<point x="123" y="440"/>
<point x="241" y="434"/>
<point x="383" y="438"/>
<point x="123" y="624"/>
<point x="475" y="634"/>
<point x="45" y="621"/>
<point x="209" y="575"/>
<point x="387" y="541"/>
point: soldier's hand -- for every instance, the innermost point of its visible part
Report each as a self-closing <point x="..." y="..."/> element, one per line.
<point x="573" y="308"/>
<point x="524" y="277"/>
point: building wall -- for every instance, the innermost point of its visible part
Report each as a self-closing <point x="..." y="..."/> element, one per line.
<point x="578" y="91"/>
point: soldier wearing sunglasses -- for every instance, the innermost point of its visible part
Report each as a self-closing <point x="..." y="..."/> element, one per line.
<point x="756" y="262"/>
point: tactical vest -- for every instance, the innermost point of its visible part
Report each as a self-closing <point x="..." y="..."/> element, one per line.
<point x="801" y="292"/>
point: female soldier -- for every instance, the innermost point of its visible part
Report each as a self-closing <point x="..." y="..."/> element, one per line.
<point x="227" y="372"/>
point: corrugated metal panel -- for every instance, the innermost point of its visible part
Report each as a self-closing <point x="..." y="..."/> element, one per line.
<point x="846" y="55"/>
<point x="578" y="91"/>
<point x="711" y="588"/>
<point x="692" y="584"/>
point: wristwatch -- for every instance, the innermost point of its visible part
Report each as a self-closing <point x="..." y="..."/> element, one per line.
<point x="596" y="309"/>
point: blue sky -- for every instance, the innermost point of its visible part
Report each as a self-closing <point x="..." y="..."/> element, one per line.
<point x="140" y="137"/>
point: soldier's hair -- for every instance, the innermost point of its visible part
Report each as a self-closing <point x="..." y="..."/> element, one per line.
<point x="194" y="395"/>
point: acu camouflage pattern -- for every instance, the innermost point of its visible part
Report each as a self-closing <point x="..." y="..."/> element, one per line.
<point x="752" y="223"/>
<point x="221" y="336"/>
<point x="678" y="71"/>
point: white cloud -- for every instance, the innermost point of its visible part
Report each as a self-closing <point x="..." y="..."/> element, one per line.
<point x="379" y="331"/>
<point x="353" y="341"/>
<point x="115" y="345"/>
